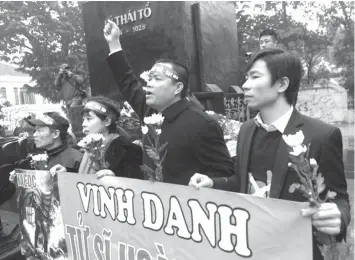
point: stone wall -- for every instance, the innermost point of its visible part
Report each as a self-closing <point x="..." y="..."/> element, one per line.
<point x="326" y="104"/>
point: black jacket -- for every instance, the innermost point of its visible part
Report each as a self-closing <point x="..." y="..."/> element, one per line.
<point x="195" y="140"/>
<point x="125" y="158"/>
<point x="64" y="155"/>
<point x="326" y="148"/>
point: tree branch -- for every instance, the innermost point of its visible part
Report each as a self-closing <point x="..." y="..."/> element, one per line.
<point x="346" y="17"/>
<point x="18" y="43"/>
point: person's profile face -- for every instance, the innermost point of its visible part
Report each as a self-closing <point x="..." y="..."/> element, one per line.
<point x="92" y="124"/>
<point x="44" y="137"/>
<point x="267" y="41"/>
<point x="258" y="89"/>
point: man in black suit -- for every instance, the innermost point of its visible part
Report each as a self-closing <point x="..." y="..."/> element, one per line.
<point x="273" y="78"/>
<point x="195" y="140"/>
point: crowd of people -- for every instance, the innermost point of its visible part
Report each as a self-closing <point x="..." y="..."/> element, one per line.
<point x="196" y="152"/>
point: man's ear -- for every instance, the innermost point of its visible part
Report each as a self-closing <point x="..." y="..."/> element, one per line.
<point x="179" y="86"/>
<point x="108" y="121"/>
<point x="56" y="133"/>
<point x="284" y="83"/>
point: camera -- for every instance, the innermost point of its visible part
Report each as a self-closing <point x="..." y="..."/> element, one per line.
<point x="65" y="71"/>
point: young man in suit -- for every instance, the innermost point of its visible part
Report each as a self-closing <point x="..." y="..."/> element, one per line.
<point x="273" y="78"/>
<point x="195" y="140"/>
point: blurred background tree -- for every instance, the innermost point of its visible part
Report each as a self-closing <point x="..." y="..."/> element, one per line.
<point x="321" y="33"/>
<point x="38" y="37"/>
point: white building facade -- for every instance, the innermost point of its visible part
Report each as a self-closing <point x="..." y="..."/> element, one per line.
<point x="12" y="87"/>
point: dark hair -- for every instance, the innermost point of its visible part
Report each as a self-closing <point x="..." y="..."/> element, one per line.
<point x="114" y="111"/>
<point x="281" y="63"/>
<point x="63" y="125"/>
<point x="63" y="136"/>
<point x="181" y="71"/>
<point x="268" y="32"/>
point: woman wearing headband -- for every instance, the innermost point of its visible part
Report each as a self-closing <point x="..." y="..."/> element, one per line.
<point x="123" y="158"/>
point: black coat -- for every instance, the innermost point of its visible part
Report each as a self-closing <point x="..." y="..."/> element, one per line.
<point x="326" y="148"/>
<point x="64" y="155"/>
<point x="195" y="140"/>
<point x="124" y="158"/>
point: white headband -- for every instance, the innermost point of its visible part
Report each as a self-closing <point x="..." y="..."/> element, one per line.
<point x="46" y="119"/>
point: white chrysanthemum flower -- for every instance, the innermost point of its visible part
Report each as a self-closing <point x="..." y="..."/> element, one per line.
<point x="155" y="119"/>
<point x="82" y="143"/>
<point x="98" y="137"/>
<point x="144" y="129"/>
<point x="294" y="140"/>
<point x="297" y="150"/>
<point x="313" y="162"/>
<point x="137" y="142"/>
<point x="90" y="138"/>
<point x="158" y="131"/>
<point x="40" y="157"/>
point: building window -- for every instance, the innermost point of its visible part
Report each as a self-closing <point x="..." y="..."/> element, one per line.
<point x="16" y="96"/>
<point x="32" y="98"/>
<point x="3" y="92"/>
<point x="26" y="98"/>
<point x="22" y="97"/>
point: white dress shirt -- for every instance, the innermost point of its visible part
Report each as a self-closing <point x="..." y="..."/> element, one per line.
<point x="279" y="124"/>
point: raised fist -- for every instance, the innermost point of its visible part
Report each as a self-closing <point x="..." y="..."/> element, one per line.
<point x="112" y="35"/>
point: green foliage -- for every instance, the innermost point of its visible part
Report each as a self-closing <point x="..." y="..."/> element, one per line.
<point x="340" y="21"/>
<point x="331" y="42"/>
<point x="39" y="36"/>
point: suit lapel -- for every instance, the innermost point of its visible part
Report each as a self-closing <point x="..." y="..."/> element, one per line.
<point x="245" y="155"/>
<point x="282" y="156"/>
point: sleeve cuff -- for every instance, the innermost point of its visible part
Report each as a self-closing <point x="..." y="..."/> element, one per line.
<point x="219" y="182"/>
<point x="71" y="170"/>
<point x="114" y="51"/>
<point x="343" y="231"/>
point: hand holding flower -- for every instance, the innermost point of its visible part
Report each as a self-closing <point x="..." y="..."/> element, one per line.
<point x="153" y="148"/>
<point x="326" y="218"/>
<point x="93" y="144"/>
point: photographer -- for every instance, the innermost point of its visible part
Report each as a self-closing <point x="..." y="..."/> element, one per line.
<point x="69" y="85"/>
